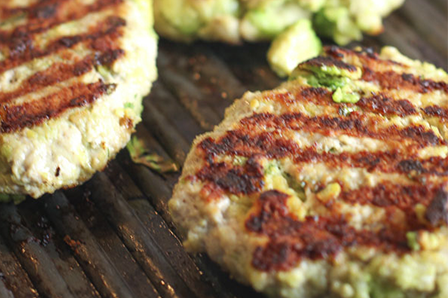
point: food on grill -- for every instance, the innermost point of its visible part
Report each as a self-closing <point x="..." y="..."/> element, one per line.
<point x="335" y="184"/>
<point x="346" y="20"/>
<point x="236" y="20"/>
<point x="72" y="76"/>
<point x="296" y="44"/>
<point x="285" y="21"/>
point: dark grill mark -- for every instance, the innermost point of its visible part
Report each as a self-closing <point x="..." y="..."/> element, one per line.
<point x="355" y="125"/>
<point x="248" y="179"/>
<point x="237" y="180"/>
<point x="43" y="9"/>
<point x="393" y="80"/>
<point x="388" y="194"/>
<point x="320" y="96"/>
<point x="437" y="211"/>
<point x="377" y="103"/>
<point x="317" y="237"/>
<point x="383" y="105"/>
<point x="410" y="165"/>
<point x="102" y="38"/>
<point x="367" y="56"/>
<point x="270" y="145"/>
<point x="436" y="111"/>
<point x="45" y="15"/>
<point x="33" y="113"/>
<point x="60" y="72"/>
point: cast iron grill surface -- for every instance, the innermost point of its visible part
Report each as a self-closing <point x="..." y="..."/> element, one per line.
<point x="113" y="236"/>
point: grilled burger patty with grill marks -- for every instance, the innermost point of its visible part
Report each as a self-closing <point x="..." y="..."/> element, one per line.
<point x="335" y="184"/>
<point x="72" y="77"/>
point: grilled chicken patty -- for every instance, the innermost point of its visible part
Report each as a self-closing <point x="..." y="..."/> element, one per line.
<point x="72" y="77"/>
<point x="335" y="184"/>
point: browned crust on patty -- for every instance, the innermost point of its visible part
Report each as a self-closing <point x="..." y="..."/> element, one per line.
<point x="267" y="136"/>
<point x="103" y="39"/>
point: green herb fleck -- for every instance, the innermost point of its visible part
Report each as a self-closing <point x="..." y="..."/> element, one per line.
<point x="17" y="199"/>
<point x="129" y="105"/>
<point x="412" y="238"/>
<point x="341" y="95"/>
<point x="141" y="155"/>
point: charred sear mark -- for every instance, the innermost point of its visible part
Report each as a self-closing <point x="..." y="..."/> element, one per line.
<point x="45" y="15"/>
<point x="379" y="104"/>
<point x="320" y="96"/>
<point x="245" y="179"/>
<point x="420" y="133"/>
<point x="33" y="113"/>
<point x="437" y="211"/>
<point x="314" y="238"/>
<point x="383" y="105"/>
<point x="367" y="56"/>
<point x="355" y="125"/>
<point x="101" y="38"/>
<point x="328" y="61"/>
<point x="271" y="145"/>
<point x="392" y="80"/>
<point x="409" y="165"/>
<point x="388" y="194"/>
<point x="241" y="143"/>
<point x="60" y="72"/>
<point x="436" y="111"/>
<point x="40" y="10"/>
<point x="45" y="10"/>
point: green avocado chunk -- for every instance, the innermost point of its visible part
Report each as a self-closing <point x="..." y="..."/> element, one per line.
<point x="17" y="199"/>
<point x="296" y="44"/>
<point x="331" y="74"/>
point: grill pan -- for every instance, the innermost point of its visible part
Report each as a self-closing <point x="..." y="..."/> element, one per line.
<point x="113" y="236"/>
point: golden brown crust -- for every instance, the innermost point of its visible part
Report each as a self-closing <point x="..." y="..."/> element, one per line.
<point x="102" y="39"/>
<point x="405" y="172"/>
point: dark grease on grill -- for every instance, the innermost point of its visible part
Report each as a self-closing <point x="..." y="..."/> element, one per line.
<point x="394" y="80"/>
<point x="291" y="240"/>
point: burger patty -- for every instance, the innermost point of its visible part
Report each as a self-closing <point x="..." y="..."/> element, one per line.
<point x="335" y="184"/>
<point x="72" y="77"/>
